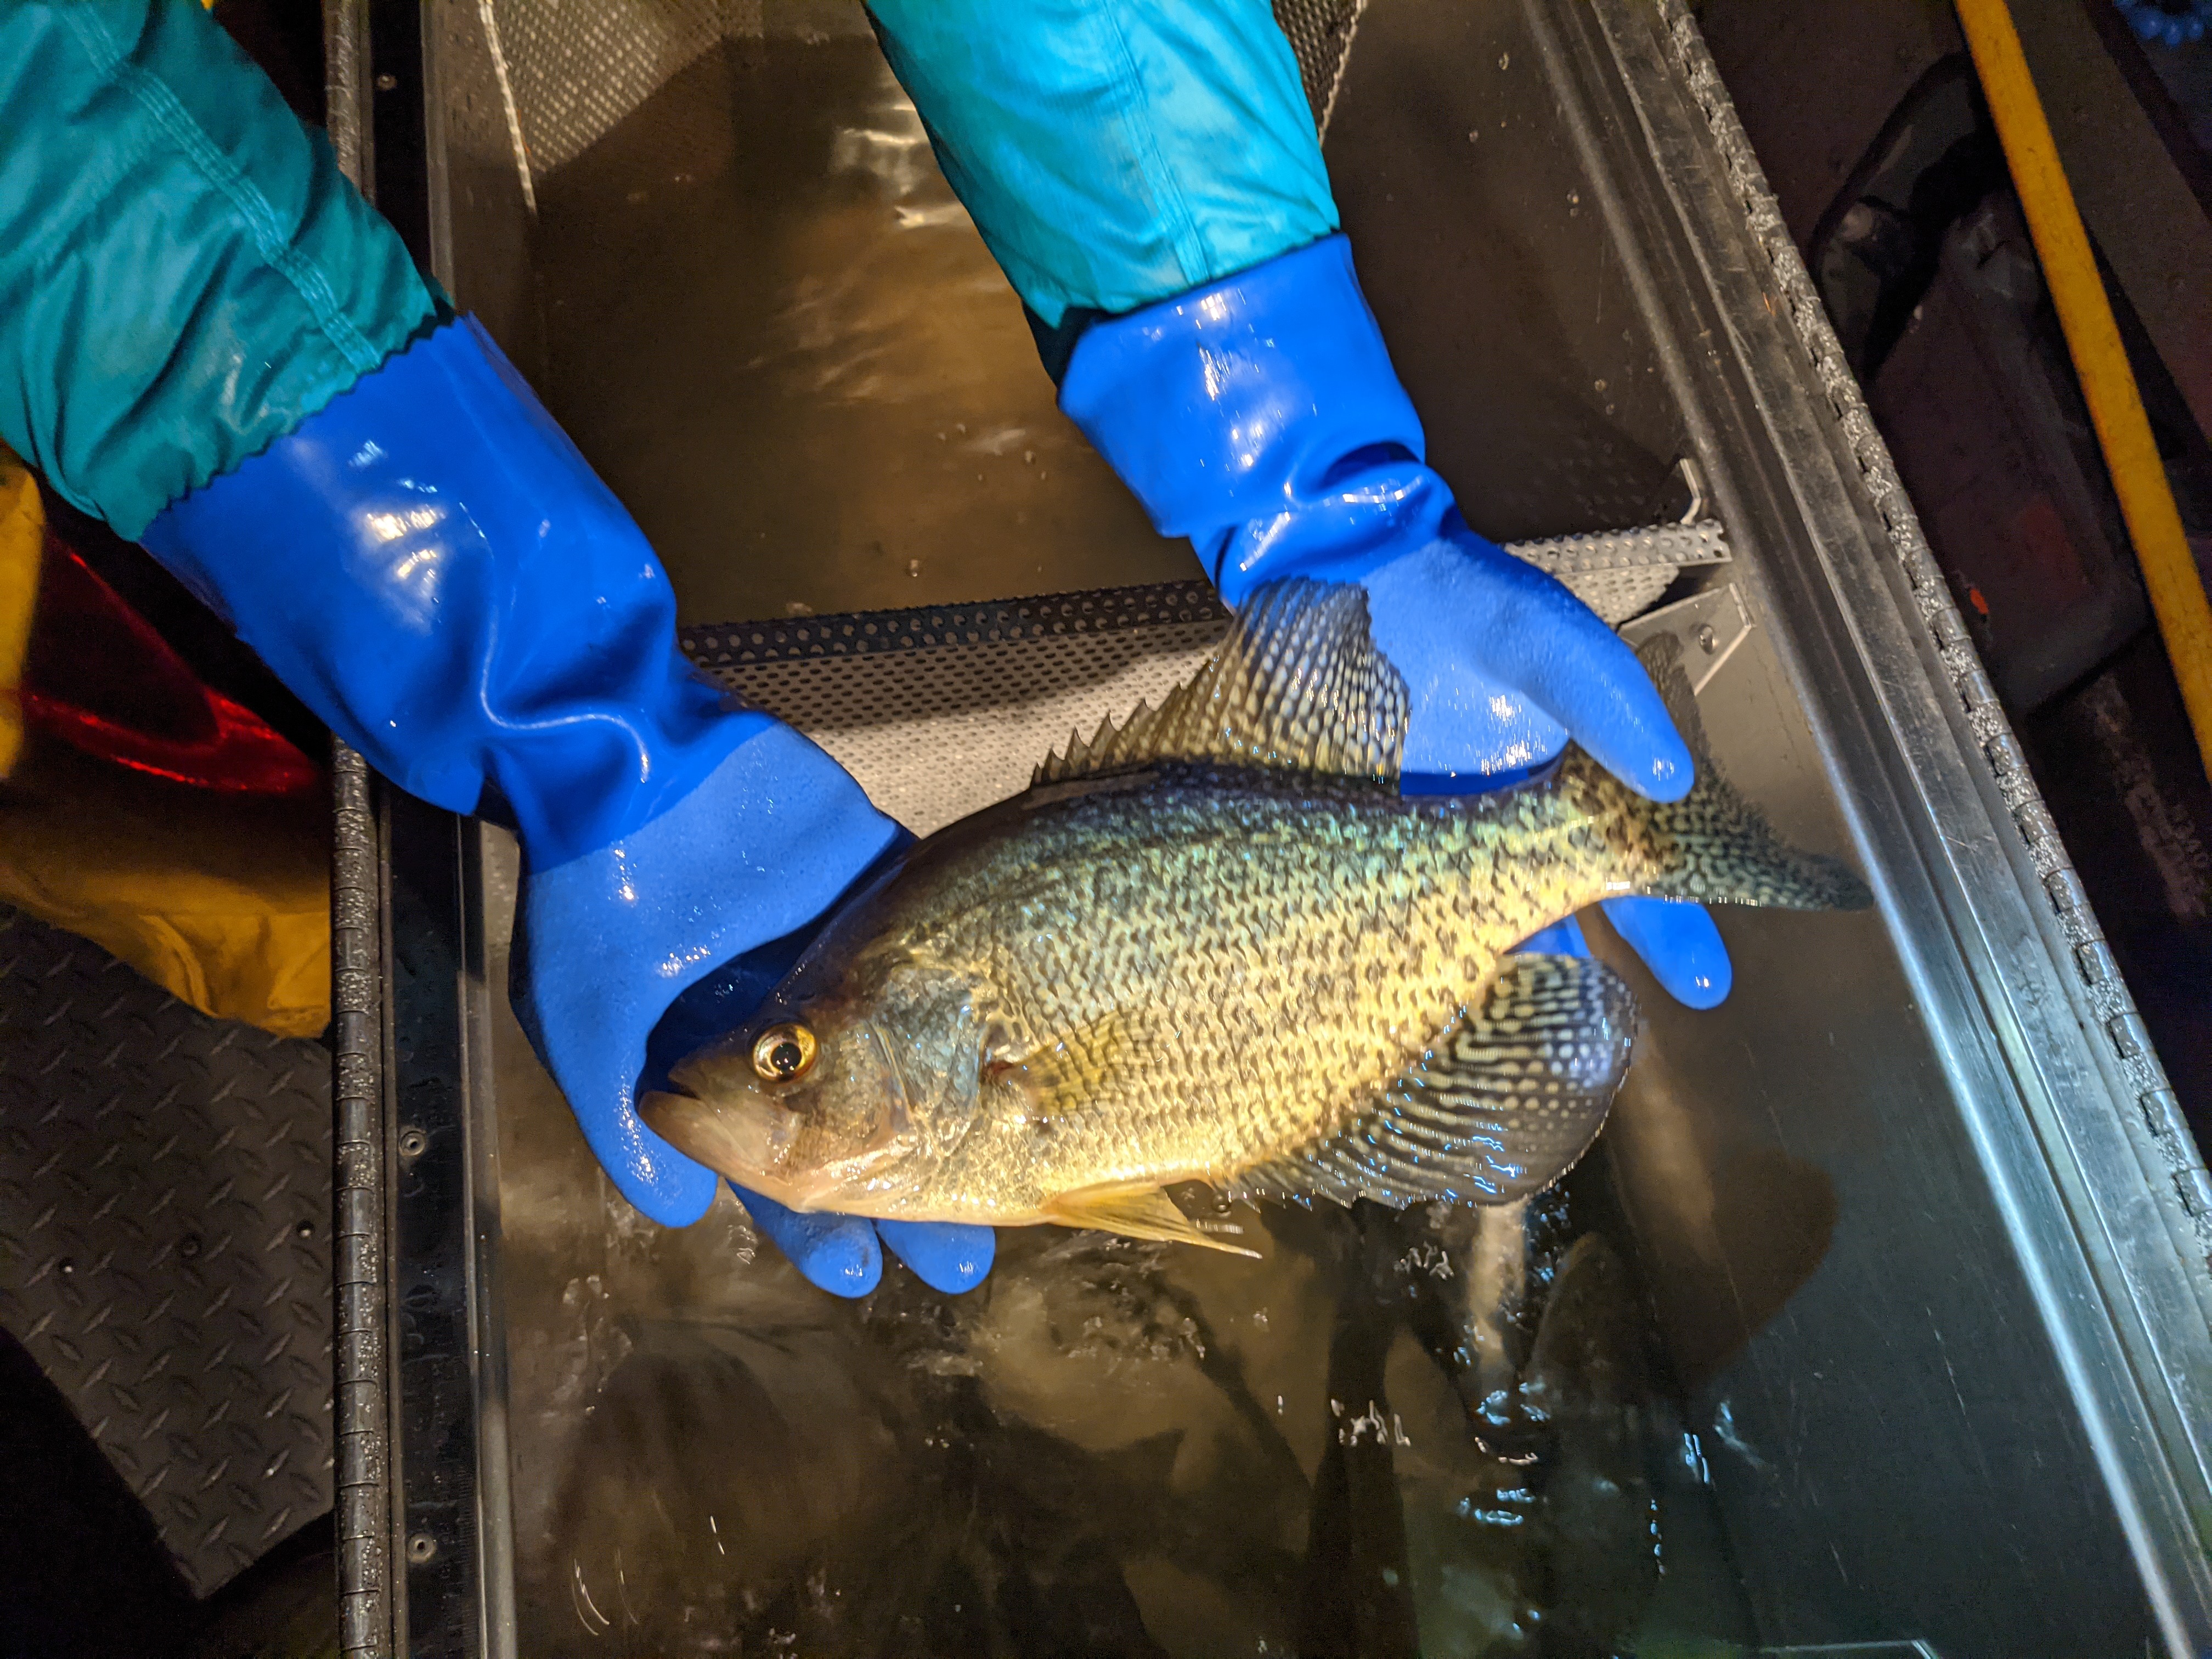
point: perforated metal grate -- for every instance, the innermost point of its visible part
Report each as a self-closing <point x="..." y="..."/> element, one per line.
<point x="948" y="708"/>
<point x="165" y="1207"/>
<point x="1618" y="573"/>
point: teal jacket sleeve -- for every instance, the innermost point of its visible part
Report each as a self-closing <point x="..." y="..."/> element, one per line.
<point x="1115" y="152"/>
<point x="184" y="273"/>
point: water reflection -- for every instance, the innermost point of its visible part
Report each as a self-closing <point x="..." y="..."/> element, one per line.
<point x="1437" y="1433"/>
<point x="776" y="333"/>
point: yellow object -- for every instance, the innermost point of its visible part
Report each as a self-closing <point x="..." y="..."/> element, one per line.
<point x="2108" y="384"/>
<point x="22" y="544"/>
<point x="222" y="900"/>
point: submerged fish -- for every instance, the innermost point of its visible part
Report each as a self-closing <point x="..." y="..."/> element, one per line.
<point x="1217" y="945"/>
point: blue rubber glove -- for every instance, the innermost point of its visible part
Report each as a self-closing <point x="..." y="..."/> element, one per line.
<point x="1676" y="940"/>
<point x="429" y="564"/>
<point x="1259" y="416"/>
<point x="2168" y="25"/>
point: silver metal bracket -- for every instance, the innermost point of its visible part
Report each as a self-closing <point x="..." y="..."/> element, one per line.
<point x="1709" y="625"/>
<point x="1617" y="572"/>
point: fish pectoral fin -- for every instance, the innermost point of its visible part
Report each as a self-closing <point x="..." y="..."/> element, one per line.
<point x="1505" y="1104"/>
<point x="1060" y="1074"/>
<point x="1298" y="685"/>
<point x="1134" y="1212"/>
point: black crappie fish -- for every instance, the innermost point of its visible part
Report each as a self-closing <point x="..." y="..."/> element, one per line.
<point x="1217" y="944"/>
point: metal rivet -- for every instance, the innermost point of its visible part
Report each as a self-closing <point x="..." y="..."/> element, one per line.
<point x="387" y="83"/>
<point x="2130" y="1037"/>
<point x="305" y="1229"/>
<point x="2195" y="1187"/>
<point x="2095" y="961"/>
<point x="65" y="1266"/>
<point x="2162" y="1110"/>
<point x="2065" y="889"/>
<point x="189" y="1246"/>
<point x="420" y="1547"/>
<point x="412" y="1141"/>
<point x="1708" y="642"/>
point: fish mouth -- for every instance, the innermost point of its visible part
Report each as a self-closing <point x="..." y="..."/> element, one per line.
<point x="740" y="1145"/>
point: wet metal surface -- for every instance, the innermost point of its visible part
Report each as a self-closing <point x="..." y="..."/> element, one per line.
<point x="1861" y="1399"/>
<point x="1508" y="315"/>
<point x="776" y="332"/>
<point x="2072" y="1126"/>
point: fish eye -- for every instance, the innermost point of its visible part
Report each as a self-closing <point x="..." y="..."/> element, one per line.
<point x="784" y="1053"/>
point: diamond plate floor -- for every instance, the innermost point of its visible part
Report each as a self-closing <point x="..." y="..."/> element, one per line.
<point x="164" y="1203"/>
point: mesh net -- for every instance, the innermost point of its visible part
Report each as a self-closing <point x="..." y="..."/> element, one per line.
<point x="942" y="710"/>
<point x="1319" y="33"/>
<point x="574" y="69"/>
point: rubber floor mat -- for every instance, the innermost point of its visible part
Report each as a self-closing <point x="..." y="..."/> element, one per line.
<point x="165" y="1205"/>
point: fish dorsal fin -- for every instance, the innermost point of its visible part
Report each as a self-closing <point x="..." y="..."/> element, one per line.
<point x="1134" y="1211"/>
<point x="1503" y="1106"/>
<point x="1298" y="685"/>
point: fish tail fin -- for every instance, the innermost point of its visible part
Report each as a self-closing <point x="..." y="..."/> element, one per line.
<point x="1714" y="846"/>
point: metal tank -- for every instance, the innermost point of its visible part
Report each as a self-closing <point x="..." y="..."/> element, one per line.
<point x="1907" y="1346"/>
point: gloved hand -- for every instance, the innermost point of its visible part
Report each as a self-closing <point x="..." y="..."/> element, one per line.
<point x="1259" y="416"/>
<point x="432" y="567"/>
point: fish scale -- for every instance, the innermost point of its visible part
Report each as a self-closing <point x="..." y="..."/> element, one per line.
<point x="1349" y="931"/>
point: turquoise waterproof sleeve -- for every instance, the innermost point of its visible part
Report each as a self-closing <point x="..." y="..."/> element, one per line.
<point x="184" y="273"/>
<point x="1115" y="152"/>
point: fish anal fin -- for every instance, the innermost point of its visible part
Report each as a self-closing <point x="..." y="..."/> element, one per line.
<point x="1296" y="686"/>
<point x="1134" y="1212"/>
<point x="1506" y="1102"/>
